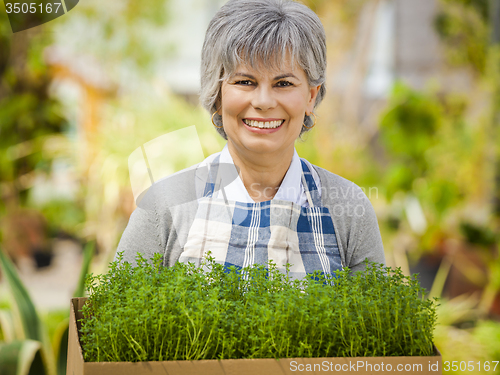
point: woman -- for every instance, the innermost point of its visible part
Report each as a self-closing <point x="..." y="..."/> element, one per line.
<point x="263" y="74"/>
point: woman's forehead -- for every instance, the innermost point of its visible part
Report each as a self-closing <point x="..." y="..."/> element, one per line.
<point x="274" y="67"/>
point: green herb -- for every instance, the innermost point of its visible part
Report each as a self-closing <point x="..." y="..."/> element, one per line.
<point x="153" y="313"/>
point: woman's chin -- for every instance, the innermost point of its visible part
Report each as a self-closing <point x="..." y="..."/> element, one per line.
<point x="264" y="147"/>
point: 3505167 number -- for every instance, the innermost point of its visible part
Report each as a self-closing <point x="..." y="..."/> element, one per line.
<point x="470" y="366"/>
<point x="32" y="7"/>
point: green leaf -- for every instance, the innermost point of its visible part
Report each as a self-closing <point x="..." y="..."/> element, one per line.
<point x="8" y="326"/>
<point x="32" y="326"/>
<point x="61" y="346"/>
<point x="29" y="318"/>
<point x="22" y="358"/>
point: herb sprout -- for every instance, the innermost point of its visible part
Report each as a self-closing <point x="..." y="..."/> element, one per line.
<point x="154" y="313"/>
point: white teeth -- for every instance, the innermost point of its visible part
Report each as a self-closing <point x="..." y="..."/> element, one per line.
<point x="264" y="125"/>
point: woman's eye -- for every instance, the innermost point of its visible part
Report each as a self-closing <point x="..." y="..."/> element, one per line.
<point x="244" y="83"/>
<point x="284" y="84"/>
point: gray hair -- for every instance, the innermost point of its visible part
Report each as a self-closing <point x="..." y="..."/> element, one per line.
<point x="261" y="33"/>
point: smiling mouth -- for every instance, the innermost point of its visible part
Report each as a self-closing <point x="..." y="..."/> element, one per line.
<point x="264" y="124"/>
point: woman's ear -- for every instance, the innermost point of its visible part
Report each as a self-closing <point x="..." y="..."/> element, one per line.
<point x="313" y="92"/>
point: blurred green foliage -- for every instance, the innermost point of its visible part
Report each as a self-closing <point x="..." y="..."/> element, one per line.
<point x="131" y="37"/>
<point x="477" y="235"/>
<point x="20" y="322"/>
<point x="30" y="121"/>
<point x="461" y="336"/>
<point x="63" y="216"/>
<point x="408" y="129"/>
<point x="433" y="152"/>
<point x="27" y="113"/>
<point x="30" y="326"/>
<point x="463" y="26"/>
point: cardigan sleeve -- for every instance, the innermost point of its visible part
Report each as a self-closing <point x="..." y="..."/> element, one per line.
<point x="152" y="229"/>
<point x="145" y="232"/>
<point x="354" y="219"/>
<point x="365" y="239"/>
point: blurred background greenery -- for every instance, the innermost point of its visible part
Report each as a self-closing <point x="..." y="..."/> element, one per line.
<point x="411" y="116"/>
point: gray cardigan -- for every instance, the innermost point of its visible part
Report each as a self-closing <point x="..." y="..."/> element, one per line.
<point x="161" y="222"/>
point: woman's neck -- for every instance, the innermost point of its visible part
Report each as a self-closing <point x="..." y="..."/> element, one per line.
<point x="261" y="174"/>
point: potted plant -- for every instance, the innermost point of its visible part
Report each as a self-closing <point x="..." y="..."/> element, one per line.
<point x="211" y="318"/>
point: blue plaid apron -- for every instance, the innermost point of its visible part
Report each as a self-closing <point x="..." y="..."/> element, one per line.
<point x="243" y="234"/>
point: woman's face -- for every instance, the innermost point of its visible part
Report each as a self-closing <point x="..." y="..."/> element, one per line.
<point x="263" y="110"/>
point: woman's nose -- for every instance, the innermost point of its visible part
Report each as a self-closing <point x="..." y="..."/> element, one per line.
<point x="263" y="98"/>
